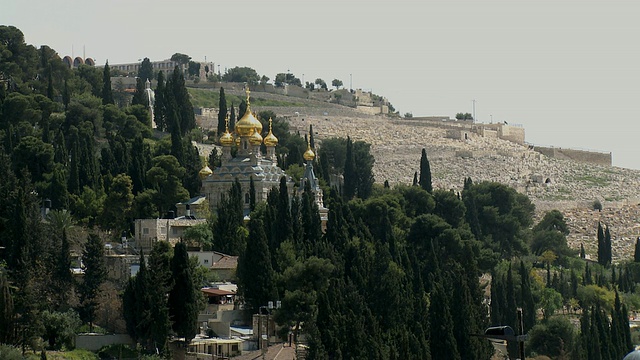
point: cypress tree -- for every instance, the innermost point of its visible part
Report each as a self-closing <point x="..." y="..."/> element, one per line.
<point x="255" y="273"/>
<point x="50" y="83"/>
<point x="66" y="95"/>
<point x="222" y="112"/>
<point x="528" y="303"/>
<point x="107" y="94"/>
<point x="159" y="106"/>
<point x="425" y="172"/>
<point x="415" y="179"/>
<point x="161" y="282"/>
<point x="283" y="215"/>
<point x="242" y="108"/>
<point x="607" y="247"/>
<point x="252" y="194"/>
<point x="177" y="147"/>
<point x="228" y="238"/>
<point x="601" y="246"/>
<point x="183" y="306"/>
<point x="350" y="176"/>
<point x="443" y="345"/>
<point x="7" y="315"/>
<point x="636" y="254"/>
<point x="94" y="275"/>
<point x="140" y="96"/>
<point x="583" y="255"/>
<point x="63" y="278"/>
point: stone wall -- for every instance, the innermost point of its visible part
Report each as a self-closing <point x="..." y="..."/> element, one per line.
<point x="93" y="342"/>
<point x="584" y="156"/>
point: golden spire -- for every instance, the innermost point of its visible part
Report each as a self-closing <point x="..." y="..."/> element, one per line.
<point x="270" y="139"/>
<point x="309" y="155"/>
<point x="248" y="124"/>
<point x="226" y="139"/>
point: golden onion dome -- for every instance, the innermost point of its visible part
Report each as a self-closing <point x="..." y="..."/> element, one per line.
<point x="226" y="139"/>
<point x="256" y="138"/>
<point x="270" y="139"/>
<point x="309" y="155"/>
<point x="248" y="123"/>
<point x="205" y="171"/>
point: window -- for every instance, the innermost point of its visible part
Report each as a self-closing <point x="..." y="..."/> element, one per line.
<point x="145" y="231"/>
<point x="234" y="347"/>
<point x="163" y="230"/>
<point x="174" y="231"/>
<point x="206" y="261"/>
<point x="246" y="198"/>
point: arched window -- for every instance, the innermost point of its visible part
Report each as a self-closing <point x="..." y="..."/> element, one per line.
<point x="246" y="198"/>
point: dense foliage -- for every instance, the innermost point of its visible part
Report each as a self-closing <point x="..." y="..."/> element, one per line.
<point x="394" y="275"/>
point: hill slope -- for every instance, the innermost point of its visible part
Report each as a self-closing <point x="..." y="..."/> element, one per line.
<point x="572" y="187"/>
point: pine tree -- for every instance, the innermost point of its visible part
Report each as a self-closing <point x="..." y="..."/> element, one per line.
<point x="94" y="275"/>
<point x="183" y="305"/>
<point x="425" y="172"/>
<point x="350" y="176"/>
<point x="107" y="94"/>
<point x="222" y="112"/>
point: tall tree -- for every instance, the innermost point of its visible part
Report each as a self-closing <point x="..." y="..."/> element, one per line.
<point x="183" y="305"/>
<point x="425" y="172"/>
<point x="443" y="345"/>
<point x="7" y="319"/>
<point x="255" y="273"/>
<point x="222" y="112"/>
<point x="161" y="280"/>
<point x="636" y="253"/>
<point x="107" y="94"/>
<point x="145" y="71"/>
<point x="159" y="106"/>
<point x="350" y="176"/>
<point x="94" y="275"/>
<point x="140" y="96"/>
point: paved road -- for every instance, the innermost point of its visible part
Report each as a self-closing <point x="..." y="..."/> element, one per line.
<point x="275" y="352"/>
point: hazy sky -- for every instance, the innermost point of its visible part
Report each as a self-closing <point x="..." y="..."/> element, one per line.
<point x="569" y="71"/>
